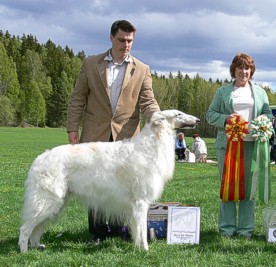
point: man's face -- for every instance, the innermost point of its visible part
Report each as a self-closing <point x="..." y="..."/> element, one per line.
<point x="121" y="43"/>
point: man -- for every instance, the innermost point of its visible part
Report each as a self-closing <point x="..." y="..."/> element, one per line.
<point x="111" y="90"/>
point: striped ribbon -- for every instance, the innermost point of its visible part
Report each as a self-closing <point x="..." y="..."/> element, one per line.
<point x="261" y="131"/>
<point x="232" y="184"/>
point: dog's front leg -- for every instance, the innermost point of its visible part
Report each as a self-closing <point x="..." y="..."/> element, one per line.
<point x="144" y="229"/>
<point x="138" y="224"/>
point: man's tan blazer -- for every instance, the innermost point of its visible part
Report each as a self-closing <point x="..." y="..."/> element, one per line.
<point x="90" y="105"/>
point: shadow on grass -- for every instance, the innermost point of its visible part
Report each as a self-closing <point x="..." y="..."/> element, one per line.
<point x="81" y="240"/>
<point x="210" y="242"/>
<point x="67" y="240"/>
<point x="9" y="245"/>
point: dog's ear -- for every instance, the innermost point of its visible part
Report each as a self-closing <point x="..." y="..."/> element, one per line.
<point x="157" y="116"/>
<point x="169" y="114"/>
<point x="156" y="126"/>
<point x="158" y="121"/>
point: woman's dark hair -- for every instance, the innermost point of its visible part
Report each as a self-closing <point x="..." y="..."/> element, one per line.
<point x="242" y="60"/>
<point x="123" y="25"/>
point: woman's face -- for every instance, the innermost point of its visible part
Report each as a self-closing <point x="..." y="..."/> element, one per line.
<point x="242" y="75"/>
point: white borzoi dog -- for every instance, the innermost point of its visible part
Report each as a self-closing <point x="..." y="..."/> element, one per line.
<point x="119" y="179"/>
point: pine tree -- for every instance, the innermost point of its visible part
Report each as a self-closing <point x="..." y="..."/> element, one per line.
<point x="9" y="85"/>
<point x="35" y="105"/>
<point x="58" y="102"/>
<point x="7" y="112"/>
<point x="35" y="89"/>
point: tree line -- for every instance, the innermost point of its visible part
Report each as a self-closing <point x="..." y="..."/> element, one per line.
<point x="36" y="82"/>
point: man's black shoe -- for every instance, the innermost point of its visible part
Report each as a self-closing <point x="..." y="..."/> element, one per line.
<point x="96" y="241"/>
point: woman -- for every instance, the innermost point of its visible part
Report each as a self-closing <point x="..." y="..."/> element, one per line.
<point x="248" y="100"/>
<point x="180" y="147"/>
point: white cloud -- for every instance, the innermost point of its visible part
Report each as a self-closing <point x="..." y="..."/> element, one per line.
<point x="100" y="4"/>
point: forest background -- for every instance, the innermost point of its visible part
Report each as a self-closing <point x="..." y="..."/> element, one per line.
<point x="36" y="82"/>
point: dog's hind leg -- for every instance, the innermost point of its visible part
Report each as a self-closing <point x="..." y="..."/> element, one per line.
<point x="39" y="229"/>
<point x="33" y="231"/>
<point x="36" y="221"/>
<point x="37" y="233"/>
<point x="25" y="232"/>
<point x="138" y="224"/>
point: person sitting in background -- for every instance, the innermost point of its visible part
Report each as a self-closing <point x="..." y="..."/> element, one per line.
<point x="180" y="147"/>
<point x="272" y="142"/>
<point x="272" y="149"/>
<point x="199" y="148"/>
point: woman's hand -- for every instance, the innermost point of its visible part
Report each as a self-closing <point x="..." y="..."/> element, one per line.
<point x="231" y="116"/>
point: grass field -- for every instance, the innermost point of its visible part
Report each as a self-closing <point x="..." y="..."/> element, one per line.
<point x="66" y="241"/>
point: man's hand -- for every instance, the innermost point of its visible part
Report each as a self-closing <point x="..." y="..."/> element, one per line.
<point x="73" y="138"/>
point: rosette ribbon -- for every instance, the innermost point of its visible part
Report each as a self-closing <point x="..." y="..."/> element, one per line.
<point x="232" y="184"/>
<point x="261" y="131"/>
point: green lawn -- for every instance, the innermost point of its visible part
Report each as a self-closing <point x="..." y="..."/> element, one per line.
<point x="66" y="241"/>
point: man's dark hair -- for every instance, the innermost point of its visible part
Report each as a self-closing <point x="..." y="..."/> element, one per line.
<point x="123" y="25"/>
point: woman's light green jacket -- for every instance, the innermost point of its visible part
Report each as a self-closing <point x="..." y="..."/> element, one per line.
<point x="222" y="105"/>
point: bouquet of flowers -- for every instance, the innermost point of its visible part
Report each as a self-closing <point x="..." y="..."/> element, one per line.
<point x="261" y="131"/>
<point x="236" y="128"/>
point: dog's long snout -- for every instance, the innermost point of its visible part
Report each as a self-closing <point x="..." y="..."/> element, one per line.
<point x="194" y="119"/>
<point x="189" y="122"/>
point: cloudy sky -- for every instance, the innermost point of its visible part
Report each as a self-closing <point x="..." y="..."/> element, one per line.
<point x="191" y="36"/>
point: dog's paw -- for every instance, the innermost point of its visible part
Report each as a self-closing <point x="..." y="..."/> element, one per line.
<point x="23" y="250"/>
<point x="146" y="248"/>
<point x="41" y="246"/>
<point x="94" y="242"/>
